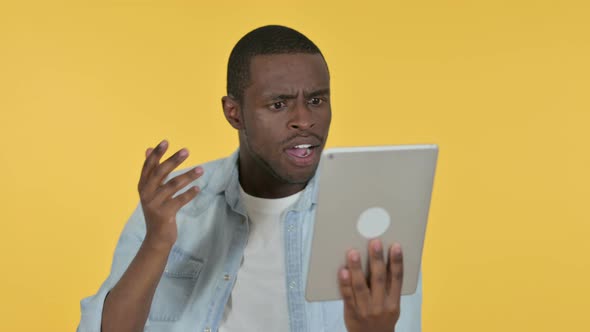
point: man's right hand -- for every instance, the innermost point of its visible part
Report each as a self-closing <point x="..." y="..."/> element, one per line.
<point x="159" y="205"/>
<point x="127" y="305"/>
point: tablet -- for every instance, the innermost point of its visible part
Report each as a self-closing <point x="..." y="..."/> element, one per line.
<point x="364" y="193"/>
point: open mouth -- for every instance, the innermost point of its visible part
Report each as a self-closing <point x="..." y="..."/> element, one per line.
<point x="301" y="151"/>
<point x="302" y="155"/>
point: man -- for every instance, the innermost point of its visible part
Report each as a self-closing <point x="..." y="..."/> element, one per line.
<point x="224" y="247"/>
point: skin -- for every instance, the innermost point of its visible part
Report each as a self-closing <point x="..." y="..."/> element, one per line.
<point x="286" y="103"/>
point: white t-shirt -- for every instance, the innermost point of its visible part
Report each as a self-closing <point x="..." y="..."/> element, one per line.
<point x="258" y="301"/>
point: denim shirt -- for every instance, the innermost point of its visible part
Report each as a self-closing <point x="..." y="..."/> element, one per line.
<point x="203" y="264"/>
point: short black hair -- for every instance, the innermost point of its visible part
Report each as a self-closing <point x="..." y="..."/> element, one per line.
<point x="266" y="40"/>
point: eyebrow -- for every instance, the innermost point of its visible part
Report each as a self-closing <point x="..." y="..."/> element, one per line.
<point x="307" y="95"/>
<point x="320" y="92"/>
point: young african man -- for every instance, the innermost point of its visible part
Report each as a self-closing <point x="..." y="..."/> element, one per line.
<point x="224" y="246"/>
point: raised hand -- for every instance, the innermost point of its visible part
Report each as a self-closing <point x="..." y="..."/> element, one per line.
<point x="159" y="205"/>
<point x="373" y="303"/>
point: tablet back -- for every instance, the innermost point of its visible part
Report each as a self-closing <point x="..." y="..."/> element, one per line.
<point x="368" y="192"/>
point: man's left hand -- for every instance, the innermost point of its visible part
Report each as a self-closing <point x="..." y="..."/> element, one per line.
<point x="372" y="303"/>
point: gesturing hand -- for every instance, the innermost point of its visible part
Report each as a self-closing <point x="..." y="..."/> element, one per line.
<point x="159" y="205"/>
<point x="373" y="303"/>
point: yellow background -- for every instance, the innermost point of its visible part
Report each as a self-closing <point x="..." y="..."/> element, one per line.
<point x="502" y="87"/>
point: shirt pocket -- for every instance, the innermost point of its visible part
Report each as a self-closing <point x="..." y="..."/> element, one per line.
<point x="175" y="287"/>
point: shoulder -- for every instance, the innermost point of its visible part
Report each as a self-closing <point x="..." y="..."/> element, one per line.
<point x="211" y="181"/>
<point x="212" y="184"/>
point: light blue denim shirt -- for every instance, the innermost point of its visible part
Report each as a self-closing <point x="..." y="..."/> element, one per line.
<point x="203" y="264"/>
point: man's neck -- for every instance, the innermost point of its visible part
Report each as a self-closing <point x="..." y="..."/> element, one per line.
<point x="258" y="182"/>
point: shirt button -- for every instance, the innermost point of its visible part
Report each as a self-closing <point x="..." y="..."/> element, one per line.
<point x="292" y="284"/>
<point x="207" y="329"/>
<point x="290" y="228"/>
<point x="226" y="277"/>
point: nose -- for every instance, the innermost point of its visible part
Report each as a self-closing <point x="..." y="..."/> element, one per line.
<point x="301" y="117"/>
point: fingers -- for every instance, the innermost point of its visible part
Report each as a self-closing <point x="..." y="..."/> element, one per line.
<point x="160" y="172"/>
<point x="175" y="184"/>
<point x="154" y="173"/>
<point x="179" y="201"/>
<point x="396" y="275"/>
<point x="345" y="286"/>
<point x="151" y="187"/>
<point x="359" y="283"/>
<point x="151" y="161"/>
<point x="378" y="276"/>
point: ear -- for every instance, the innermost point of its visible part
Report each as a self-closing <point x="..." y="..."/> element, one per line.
<point x="231" y="110"/>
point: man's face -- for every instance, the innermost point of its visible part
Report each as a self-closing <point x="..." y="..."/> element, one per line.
<point x="286" y="115"/>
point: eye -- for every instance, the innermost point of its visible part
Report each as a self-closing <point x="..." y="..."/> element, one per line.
<point x="279" y="105"/>
<point x="315" y="101"/>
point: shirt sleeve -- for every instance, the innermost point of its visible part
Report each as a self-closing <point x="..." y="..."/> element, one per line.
<point x="127" y="247"/>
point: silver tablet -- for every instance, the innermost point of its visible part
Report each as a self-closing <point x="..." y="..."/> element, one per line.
<point x="365" y="193"/>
